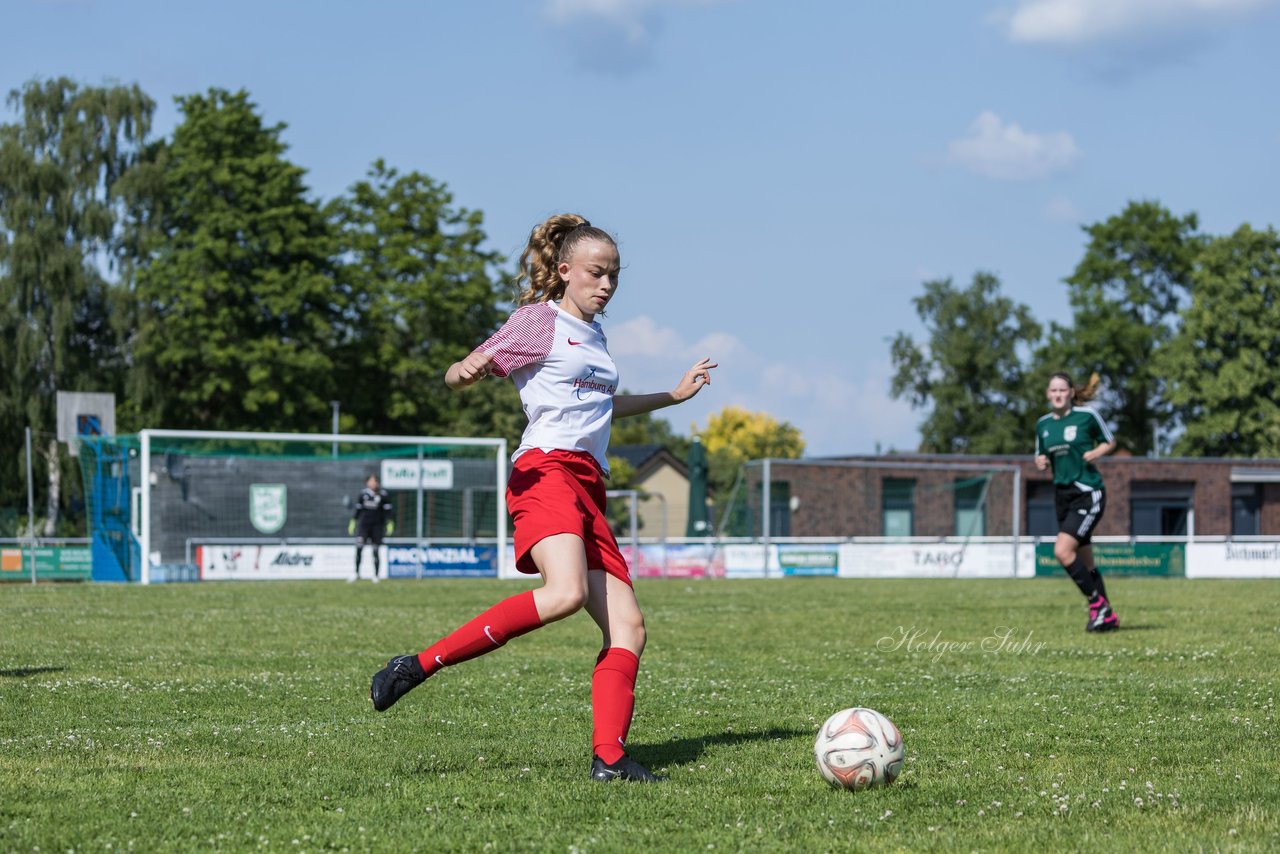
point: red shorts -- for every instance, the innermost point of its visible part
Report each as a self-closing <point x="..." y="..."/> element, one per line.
<point x="562" y="492"/>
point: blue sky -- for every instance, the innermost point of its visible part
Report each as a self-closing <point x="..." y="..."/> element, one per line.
<point x="782" y="177"/>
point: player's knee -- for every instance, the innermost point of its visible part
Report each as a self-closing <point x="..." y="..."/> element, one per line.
<point x="628" y="632"/>
<point x="1065" y="553"/>
<point x="562" y="600"/>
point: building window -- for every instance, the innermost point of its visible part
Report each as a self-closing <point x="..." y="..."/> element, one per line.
<point x="1042" y="515"/>
<point x="1160" y="508"/>
<point x="780" y="508"/>
<point x="898" y="507"/>
<point x="1246" y="506"/>
<point x="971" y="507"/>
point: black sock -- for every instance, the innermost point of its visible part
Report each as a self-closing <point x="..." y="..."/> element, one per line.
<point x="1081" y="575"/>
<point x="1097" y="583"/>
<point x="359" y="553"/>
<point x="376" y="562"/>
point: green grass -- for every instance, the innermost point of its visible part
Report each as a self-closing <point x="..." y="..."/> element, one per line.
<point x="236" y="716"/>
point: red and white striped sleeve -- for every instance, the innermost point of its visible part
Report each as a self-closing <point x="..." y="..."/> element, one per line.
<point x="525" y="338"/>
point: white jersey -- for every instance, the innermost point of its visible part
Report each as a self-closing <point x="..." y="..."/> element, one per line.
<point x="566" y="378"/>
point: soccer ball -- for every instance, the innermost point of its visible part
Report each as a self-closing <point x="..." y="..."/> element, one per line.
<point x="858" y="749"/>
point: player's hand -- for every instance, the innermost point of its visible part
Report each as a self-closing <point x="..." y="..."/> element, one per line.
<point x="694" y="379"/>
<point x="1042" y="462"/>
<point x="391" y="528"/>
<point x="351" y="527"/>
<point x="469" y="371"/>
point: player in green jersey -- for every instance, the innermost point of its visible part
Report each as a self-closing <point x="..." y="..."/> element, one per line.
<point x="1069" y="438"/>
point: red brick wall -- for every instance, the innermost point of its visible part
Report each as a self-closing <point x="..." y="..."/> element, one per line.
<point x="846" y="501"/>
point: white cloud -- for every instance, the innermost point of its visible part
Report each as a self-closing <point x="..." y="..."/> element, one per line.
<point x="837" y="411"/>
<point x="612" y="36"/>
<point x="626" y="16"/>
<point x="641" y="336"/>
<point x="1007" y="152"/>
<point x="1074" y="23"/>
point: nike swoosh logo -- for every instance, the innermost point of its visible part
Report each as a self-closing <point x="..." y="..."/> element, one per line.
<point x="572" y="342"/>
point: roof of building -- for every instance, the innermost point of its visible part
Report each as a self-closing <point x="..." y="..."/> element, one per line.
<point x="645" y="459"/>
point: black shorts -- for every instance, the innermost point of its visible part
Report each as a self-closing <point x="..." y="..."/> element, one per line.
<point x="370" y="533"/>
<point x="1079" y="511"/>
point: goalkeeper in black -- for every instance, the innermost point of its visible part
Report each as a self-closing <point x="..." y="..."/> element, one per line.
<point x="369" y="522"/>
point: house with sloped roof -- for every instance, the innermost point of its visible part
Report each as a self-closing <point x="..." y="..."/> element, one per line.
<point x="663" y="481"/>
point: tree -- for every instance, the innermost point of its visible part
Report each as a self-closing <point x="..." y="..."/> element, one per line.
<point x="735" y="435"/>
<point x="421" y="295"/>
<point x="237" y="309"/>
<point x="971" y="372"/>
<point x="1222" y="368"/>
<point x="61" y="165"/>
<point x="645" y="429"/>
<point x="1125" y="294"/>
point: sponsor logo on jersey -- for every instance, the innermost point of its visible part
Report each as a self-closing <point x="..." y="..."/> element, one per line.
<point x="584" y="386"/>
<point x="573" y="343"/>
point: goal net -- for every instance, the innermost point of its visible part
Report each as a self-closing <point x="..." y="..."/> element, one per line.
<point x="184" y="505"/>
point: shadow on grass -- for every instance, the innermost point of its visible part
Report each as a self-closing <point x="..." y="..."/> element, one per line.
<point x="686" y="750"/>
<point x="19" y="672"/>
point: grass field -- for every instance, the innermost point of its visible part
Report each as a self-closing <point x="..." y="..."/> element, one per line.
<point x="236" y="716"/>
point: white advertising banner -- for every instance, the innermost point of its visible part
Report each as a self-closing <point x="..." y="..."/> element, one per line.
<point x="407" y="474"/>
<point x="1233" y="560"/>
<point x="276" y="563"/>
<point x="935" y="560"/>
<point x="746" y="561"/>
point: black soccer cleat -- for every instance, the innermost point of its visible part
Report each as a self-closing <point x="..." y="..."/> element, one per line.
<point x="392" y="682"/>
<point x="625" y="768"/>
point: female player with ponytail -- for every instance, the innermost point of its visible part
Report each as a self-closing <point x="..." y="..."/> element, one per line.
<point x="556" y="353"/>
<point x="1069" y="438"/>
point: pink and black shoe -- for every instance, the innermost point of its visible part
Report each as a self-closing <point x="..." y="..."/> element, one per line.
<point x="1101" y="617"/>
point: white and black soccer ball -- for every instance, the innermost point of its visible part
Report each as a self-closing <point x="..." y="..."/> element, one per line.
<point x="858" y="749"/>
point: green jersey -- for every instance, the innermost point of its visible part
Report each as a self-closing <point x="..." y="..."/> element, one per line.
<point x="1064" y="441"/>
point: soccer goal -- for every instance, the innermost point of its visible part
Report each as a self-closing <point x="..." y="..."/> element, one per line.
<point x="190" y="504"/>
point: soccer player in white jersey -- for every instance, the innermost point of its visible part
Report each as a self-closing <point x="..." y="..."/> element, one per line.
<point x="557" y="355"/>
<point x="1068" y="439"/>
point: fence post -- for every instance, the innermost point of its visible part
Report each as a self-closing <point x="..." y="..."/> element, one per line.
<point x="31" y="513"/>
<point x="765" y="513"/>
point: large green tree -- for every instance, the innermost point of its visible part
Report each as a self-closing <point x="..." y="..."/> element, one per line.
<point x="61" y="239"/>
<point x="422" y="293"/>
<point x="1222" y="367"/>
<point x="1125" y="295"/>
<point x="971" y="372"/>
<point x="238" y="316"/>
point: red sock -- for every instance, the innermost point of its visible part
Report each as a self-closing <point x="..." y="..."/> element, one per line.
<point x="510" y="618"/>
<point x="613" y="700"/>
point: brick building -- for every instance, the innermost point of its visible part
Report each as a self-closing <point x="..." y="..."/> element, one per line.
<point x="951" y="495"/>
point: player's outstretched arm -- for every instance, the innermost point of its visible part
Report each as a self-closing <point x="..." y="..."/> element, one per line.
<point x="690" y="384"/>
<point x="468" y="371"/>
